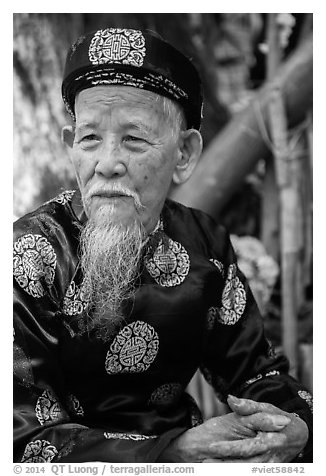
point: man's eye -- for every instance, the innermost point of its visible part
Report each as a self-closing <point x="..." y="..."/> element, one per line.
<point x="90" y="137"/>
<point x="134" y="139"/>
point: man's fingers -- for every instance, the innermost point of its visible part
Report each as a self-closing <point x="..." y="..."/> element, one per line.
<point x="263" y="421"/>
<point x="238" y="448"/>
<point x="264" y="448"/>
<point x="244" y="406"/>
<point x="272" y="440"/>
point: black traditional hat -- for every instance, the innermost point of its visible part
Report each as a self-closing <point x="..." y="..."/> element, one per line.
<point x="119" y="56"/>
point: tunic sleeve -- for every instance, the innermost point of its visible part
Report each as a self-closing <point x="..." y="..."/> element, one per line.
<point x="238" y="359"/>
<point x="49" y="424"/>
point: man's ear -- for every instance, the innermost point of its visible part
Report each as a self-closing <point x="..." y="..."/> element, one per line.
<point x="190" y="151"/>
<point x="67" y="136"/>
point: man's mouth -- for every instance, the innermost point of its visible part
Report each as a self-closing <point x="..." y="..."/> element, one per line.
<point x="113" y="198"/>
<point x="111" y="195"/>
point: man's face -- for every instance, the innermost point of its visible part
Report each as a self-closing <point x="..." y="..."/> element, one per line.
<point x="123" y="139"/>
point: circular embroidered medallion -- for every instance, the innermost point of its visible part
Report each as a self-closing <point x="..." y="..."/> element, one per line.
<point x="133" y="349"/>
<point x="233" y="298"/>
<point x="166" y="395"/>
<point x="117" y="45"/>
<point x="39" y="451"/>
<point x="75" y="300"/>
<point x="34" y="258"/>
<point x="75" y="406"/>
<point x="48" y="408"/>
<point x="218" y="264"/>
<point x="169" y="265"/>
<point x="307" y="397"/>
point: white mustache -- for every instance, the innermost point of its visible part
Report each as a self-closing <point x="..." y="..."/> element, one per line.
<point x="113" y="190"/>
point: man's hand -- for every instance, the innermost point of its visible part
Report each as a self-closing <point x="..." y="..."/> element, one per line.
<point x="254" y="432"/>
<point x="233" y="436"/>
<point x="281" y="446"/>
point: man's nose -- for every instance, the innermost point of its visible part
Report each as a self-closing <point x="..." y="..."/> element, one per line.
<point x="111" y="163"/>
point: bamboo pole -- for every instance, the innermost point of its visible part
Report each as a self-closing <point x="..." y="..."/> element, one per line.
<point x="270" y="200"/>
<point x="289" y="202"/>
<point x="287" y="167"/>
<point x="290" y="233"/>
<point x="235" y="151"/>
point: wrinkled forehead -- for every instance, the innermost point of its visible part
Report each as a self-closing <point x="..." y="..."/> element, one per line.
<point x="123" y="99"/>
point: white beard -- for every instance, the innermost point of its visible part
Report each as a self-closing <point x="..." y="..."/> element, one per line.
<point x="110" y="254"/>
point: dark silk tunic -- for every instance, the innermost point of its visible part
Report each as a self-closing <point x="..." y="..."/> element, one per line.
<point x="78" y="398"/>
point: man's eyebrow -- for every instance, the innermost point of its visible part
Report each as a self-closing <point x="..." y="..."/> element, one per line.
<point x="87" y="125"/>
<point x="139" y="125"/>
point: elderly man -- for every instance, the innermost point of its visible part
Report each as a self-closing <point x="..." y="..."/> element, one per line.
<point x="122" y="296"/>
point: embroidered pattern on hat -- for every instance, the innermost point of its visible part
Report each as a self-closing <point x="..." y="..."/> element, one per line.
<point x="166" y="395"/>
<point x="128" y="436"/>
<point x="112" y="76"/>
<point x="48" y="408"/>
<point x="108" y="77"/>
<point x="117" y="45"/>
<point x="233" y="298"/>
<point x="39" y="451"/>
<point x="307" y="397"/>
<point x="34" y="260"/>
<point x="133" y="350"/>
<point x="169" y="265"/>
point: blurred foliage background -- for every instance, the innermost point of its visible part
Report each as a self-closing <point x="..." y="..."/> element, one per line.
<point x="255" y="175"/>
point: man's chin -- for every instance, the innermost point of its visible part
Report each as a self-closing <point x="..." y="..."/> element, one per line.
<point x="114" y="213"/>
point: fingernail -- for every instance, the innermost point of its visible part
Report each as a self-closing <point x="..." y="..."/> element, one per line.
<point x="281" y="420"/>
<point x="235" y="400"/>
<point x="233" y="397"/>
